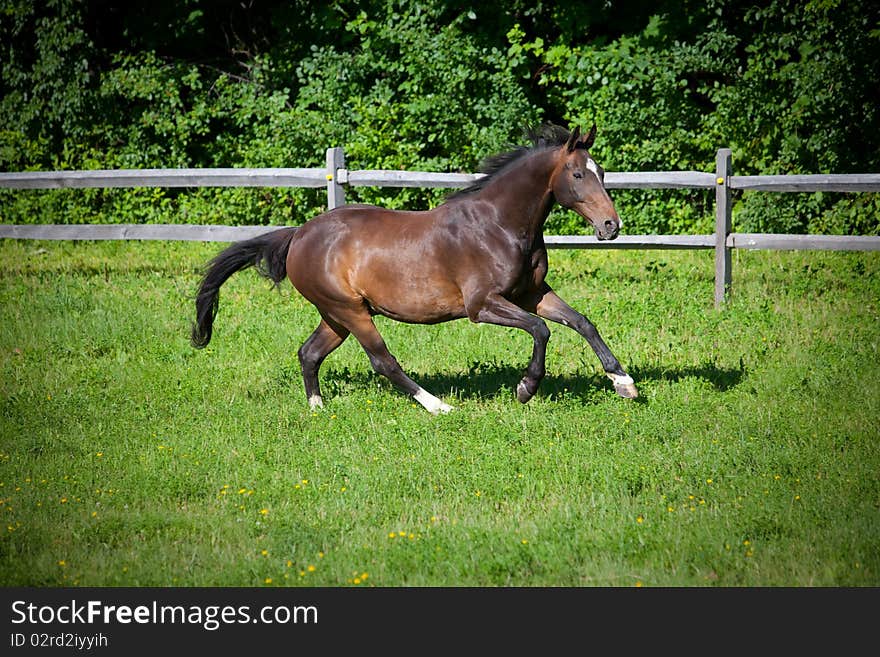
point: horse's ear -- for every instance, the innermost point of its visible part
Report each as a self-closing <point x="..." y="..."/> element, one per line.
<point x="573" y="139"/>
<point x="590" y="138"/>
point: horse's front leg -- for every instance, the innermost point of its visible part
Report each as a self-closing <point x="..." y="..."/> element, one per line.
<point x="495" y="309"/>
<point x="549" y="305"/>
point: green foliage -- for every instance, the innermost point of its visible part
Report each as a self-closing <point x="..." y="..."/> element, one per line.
<point x="394" y="108"/>
<point x="790" y="92"/>
<point x="431" y="85"/>
<point x="47" y="81"/>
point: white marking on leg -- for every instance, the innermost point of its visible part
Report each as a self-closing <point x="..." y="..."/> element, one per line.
<point x="315" y="401"/>
<point x="620" y="380"/>
<point x="430" y="402"/>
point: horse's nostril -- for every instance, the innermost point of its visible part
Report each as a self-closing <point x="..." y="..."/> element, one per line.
<point x="609" y="225"/>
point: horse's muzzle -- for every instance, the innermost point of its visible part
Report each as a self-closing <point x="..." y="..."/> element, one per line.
<point x="607" y="230"/>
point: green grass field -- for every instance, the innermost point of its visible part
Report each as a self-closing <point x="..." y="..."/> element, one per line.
<point x="127" y="458"/>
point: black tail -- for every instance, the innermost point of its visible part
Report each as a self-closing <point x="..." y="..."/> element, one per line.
<point x="267" y="252"/>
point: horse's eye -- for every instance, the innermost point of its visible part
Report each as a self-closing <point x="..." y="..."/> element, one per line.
<point x="578" y="174"/>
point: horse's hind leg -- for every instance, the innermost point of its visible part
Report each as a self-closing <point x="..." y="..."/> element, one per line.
<point x="321" y="342"/>
<point x="384" y="363"/>
<point x="549" y="305"/>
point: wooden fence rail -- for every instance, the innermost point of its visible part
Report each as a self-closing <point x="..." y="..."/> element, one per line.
<point x="335" y="177"/>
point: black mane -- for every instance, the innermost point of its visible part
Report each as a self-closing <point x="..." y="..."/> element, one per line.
<point x="547" y="135"/>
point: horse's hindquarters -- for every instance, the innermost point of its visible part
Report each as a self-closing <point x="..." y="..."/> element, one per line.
<point x="375" y="260"/>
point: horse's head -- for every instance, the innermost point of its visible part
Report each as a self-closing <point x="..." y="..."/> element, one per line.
<point x="578" y="184"/>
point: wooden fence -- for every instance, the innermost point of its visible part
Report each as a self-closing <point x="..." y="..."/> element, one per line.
<point x="335" y="177"/>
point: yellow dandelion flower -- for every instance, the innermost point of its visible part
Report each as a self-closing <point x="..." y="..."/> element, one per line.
<point x="311" y="568"/>
<point x="357" y="580"/>
<point x="365" y="575"/>
<point x="708" y="481"/>
<point x="524" y="541"/>
<point x="320" y="555"/>
<point x="265" y="553"/>
<point x="638" y="584"/>
<point x="62" y="563"/>
<point x="401" y="533"/>
<point x="391" y="534"/>
<point x="268" y="580"/>
<point x="640" y="519"/>
<point x="289" y="563"/>
<point x="264" y="512"/>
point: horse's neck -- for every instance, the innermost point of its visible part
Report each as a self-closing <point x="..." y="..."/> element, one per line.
<point x="523" y="195"/>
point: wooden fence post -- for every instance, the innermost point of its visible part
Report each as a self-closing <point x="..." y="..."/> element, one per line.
<point x="722" y="225"/>
<point x="335" y="165"/>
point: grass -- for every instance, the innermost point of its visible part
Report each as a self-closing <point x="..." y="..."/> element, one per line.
<point x="129" y="459"/>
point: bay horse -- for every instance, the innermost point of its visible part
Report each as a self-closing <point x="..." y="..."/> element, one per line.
<point x="480" y="254"/>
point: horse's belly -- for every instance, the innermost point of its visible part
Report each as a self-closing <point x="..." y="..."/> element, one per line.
<point x="417" y="300"/>
<point x="421" y="313"/>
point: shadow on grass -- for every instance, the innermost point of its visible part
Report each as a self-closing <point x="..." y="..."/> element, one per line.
<point x="488" y="380"/>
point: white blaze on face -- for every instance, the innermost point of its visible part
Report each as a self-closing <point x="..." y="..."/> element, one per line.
<point x="592" y="166"/>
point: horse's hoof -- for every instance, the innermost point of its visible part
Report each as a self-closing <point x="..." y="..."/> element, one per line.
<point x="431" y="403"/>
<point x="444" y="408"/>
<point x="522" y="393"/>
<point x="623" y="385"/>
<point x="626" y="390"/>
